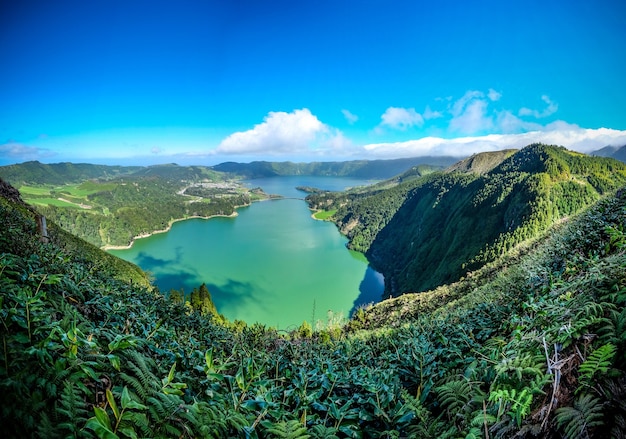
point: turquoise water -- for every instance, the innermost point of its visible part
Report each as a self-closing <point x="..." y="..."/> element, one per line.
<point x="271" y="264"/>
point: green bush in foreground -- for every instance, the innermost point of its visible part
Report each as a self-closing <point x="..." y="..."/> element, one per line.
<point x="535" y="348"/>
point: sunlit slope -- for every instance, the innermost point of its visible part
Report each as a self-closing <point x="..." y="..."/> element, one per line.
<point x="430" y="231"/>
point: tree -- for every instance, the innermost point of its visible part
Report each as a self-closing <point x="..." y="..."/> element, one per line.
<point x="177" y="296"/>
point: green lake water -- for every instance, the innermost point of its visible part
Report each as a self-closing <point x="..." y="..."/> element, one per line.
<point x="271" y="264"/>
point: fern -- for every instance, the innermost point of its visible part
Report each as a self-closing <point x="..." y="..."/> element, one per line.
<point x="598" y="363"/>
<point x="286" y="430"/>
<point x="72" y="411"/>
<point x="322" y="432"/>
<point x="576" y="421"/>
<point x="454" y="395"/>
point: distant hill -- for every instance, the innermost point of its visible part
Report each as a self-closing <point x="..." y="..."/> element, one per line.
<point x="35" y="172"/>
<point x="57" y="174"/>
<point x="616" y="152"/>
<point x="430" y="231"/>
<point x="368" y="169"/>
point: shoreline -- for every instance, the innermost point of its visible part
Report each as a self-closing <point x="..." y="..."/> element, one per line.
<point x="167" y="229"/>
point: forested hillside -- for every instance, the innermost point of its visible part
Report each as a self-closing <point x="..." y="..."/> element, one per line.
<point x="532" y="345"/>
<point x="430" y="231"/>
<point x="36" y="173"/>
<point x="367" y="169"/>
<point x="112" y="205"/>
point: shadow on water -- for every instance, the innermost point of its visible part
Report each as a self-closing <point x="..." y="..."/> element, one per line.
<point x="176" y="281"/>
<point x="371" y="289"/>
<point x="236" y="296"/>
<point x="185" y="279"/>
<point x="148" y="262"/>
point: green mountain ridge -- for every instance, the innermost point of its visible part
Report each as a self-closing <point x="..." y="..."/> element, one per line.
<point x="368" y="169"/>
<point x="531" y="345"/>
<point x="430" y="231"/>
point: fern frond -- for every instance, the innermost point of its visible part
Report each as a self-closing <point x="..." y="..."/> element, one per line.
<point x="322" y="432"/>
<point x="454" y="395"/>
<point x="286" y="430"/>
<point x="576" y="421"/>
<point x="598" y="363"/>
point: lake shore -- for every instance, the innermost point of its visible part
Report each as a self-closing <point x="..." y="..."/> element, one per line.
<point x="167" y="229"/>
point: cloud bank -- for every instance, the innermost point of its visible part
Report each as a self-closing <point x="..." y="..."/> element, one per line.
<point x="559" y="133"/>
<point x="16" y="150"/>
<point x="477" y="121"/>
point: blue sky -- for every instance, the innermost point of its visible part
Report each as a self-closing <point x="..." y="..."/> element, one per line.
<point x="144" y="82"/>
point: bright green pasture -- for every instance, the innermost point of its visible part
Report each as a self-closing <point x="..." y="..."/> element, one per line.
<point x="34" y="190"/>
<point x="86" y="188"/>
<point x="324" y="214"/>
<point x="51" y="202"/>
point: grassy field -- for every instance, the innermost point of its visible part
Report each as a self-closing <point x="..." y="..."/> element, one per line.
<point x="47" y="201"/>
<point x="75" y="194"/>
<point x="324" y="214"/>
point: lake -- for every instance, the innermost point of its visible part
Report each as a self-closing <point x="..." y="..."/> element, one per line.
<point x="272" y="264"/>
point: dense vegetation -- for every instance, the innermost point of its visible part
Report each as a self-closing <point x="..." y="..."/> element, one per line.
<point x="531" y="345"/>
<point x="425" y="232"/>
<point x="110" y="206"/>
<point x="367" y="169"/>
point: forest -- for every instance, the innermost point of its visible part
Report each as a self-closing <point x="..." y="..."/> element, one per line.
<point x="429" y="231"/>
<point x="110" y="206"/>
<point x="532" y="344"/>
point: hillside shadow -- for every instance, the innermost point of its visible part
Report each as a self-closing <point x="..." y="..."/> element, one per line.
<point x="371" y="289"/>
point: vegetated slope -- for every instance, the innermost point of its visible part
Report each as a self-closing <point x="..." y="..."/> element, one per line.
<point x="368" y="169"/>
<point x="481" y="163"/>
<point x="60" y="173"/>
<point x="533" y="347"/>
<point x="110" y="206"/>
<point x="431" y="231"/>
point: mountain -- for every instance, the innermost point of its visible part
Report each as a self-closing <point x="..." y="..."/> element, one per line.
<point x="57" y="174"/>
<point x="616" y="152"/>
<point x="367" y="169"/>
<point x="60" y="173"/>
<point x="431" y="231"/>
<point x="481" y="163"/>
<point x="531" y="345"/>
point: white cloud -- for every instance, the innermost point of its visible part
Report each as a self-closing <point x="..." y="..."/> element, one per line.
<point x="551" y="108"/>
<point x="156" y="150"/>
<point x="401" y="118"/>
<point x="558" y="133"/>
<point x="280" y="133"/>
<point x="18" y="151"/>
<point x="469" y="114"/>
<point x="430" y="114"/>
<point x="493" y="95"/>
<point x="350" y="117"/>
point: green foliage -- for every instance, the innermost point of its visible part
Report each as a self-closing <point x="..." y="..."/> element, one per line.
<point x="110" y="206"/>
<point x="578" y="421"/>
<point x="426" y="232"/>
<point x="597" y="364"/>
<point x="500" y="354"/>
